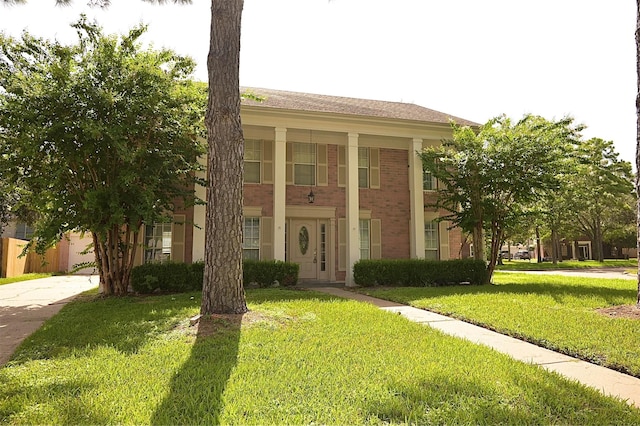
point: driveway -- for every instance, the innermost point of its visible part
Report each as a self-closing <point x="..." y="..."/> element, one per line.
<point x="26" y="305"/>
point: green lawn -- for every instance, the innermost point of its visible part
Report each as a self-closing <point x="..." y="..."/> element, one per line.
<point x="553" y="311"/>
<point x="526" y="265"/>
<point x="298" y="358"/>
<point x="25" y="277"/>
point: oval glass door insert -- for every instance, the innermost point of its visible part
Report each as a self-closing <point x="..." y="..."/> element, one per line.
<point x="303" y="240"/>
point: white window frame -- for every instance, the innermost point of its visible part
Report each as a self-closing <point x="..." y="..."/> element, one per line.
<point x="364" y="227"/>
<point x="158" y="239"/>
<point x="364" y="164"/>
<point x="429" y="182"/>
<point x="297" y="146"/>
<point x="251" y="238"/>
<point x="251" y="146"/>
<point x="431" y="240"/>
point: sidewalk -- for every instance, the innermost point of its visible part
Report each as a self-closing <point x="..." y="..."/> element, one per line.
<point x="26" y="305"/>
<point x="607" y="381"/>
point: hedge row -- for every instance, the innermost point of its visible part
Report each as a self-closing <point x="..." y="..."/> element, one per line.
<point x="418" y="272"/>
<point x="175" y="277"/>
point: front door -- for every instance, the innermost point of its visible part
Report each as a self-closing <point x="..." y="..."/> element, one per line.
<point x="304" y="250"/>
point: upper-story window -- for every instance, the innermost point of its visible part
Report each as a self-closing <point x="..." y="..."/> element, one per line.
<point x="363" y="167"/>
<point x="429" y="182"/>
<point x="304" y="164"/>
<point x="252" y="160"/>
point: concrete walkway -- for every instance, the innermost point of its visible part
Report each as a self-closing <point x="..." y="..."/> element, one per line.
<point x="607" y="381"/>
<point x="26" y="305"/>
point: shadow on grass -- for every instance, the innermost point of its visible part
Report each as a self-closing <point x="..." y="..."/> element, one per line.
<point x="462" y="400"/>
<point x="195" y="394"/>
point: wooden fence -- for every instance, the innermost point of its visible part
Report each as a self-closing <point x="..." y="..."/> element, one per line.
<point x="12" y="265"/>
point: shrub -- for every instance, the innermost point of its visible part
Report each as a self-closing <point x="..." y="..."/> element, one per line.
<point x="266" y="273"/>
<point x="166" y="277"/>
<point x="177" y="277"/>
<point x="418" y="272"/>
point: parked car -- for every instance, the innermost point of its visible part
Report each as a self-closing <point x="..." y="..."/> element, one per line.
<point x="522" y="254"/>
<point x="505" y="254"/>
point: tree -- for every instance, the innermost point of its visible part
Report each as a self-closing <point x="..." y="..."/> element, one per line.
<point x="490" y="177"/>
<point x="637" y="182"/>
<point x="598" y="189"/>
<point x="102" y="134"/>
<point x="222" y="287"/>
<point x="222" y="290"/>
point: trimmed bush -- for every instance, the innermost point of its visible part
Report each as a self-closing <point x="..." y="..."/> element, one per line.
<point x="265" y="273"/>
<point x="174" y="277"/>
<point x="418" y="272"/>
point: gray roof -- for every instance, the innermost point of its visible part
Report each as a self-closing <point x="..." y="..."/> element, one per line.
<point x="350" y="106"/>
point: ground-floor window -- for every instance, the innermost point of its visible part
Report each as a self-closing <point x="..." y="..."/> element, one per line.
<point x="431" y="240"/>
<point x="23" y="231"/>
<point x="158" y="242"/>
<point x="365" y="239"/>
<point x="251" y="238"/>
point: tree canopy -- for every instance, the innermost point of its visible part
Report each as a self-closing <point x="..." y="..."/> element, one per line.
<point x="102" y="136"/>
<point x="488" y="177"/>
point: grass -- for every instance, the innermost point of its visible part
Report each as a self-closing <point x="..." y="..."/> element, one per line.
<point x="25" y="277"/>
<point x="297" y="358"/>
<point x="533" y="265"/>
<point x="553" y="311"/>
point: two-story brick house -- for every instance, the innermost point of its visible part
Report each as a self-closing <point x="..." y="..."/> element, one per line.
<point x="331" y="180"/>
<point x="356" y="158"/>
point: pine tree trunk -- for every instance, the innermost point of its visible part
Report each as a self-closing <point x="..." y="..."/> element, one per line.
<point x="222" y="290"/>
<point x="638" y="136"/>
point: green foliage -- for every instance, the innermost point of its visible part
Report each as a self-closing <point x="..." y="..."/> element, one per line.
<point x="174" y="277"/>
<point x="418" y="272"/>
<point x="489" y="178"/>
<point x="265" y="273"/>
<point x="102" y="136"/>
<point x="178" y="277"/>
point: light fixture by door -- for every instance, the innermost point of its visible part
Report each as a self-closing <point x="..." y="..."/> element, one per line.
<point x="311" y="196"/>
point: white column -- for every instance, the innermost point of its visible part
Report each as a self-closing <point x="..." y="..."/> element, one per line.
<point x="417" y="199"/>
<point x="353" y="208"/>
<point x="279" y="192"/>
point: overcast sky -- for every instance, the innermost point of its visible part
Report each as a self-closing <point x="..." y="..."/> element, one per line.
<point x="472" y="59"/>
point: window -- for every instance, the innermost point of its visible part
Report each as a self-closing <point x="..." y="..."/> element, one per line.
<point x="429" y="182"/>
<point x="431" y="240"/>
<point x="23" y="231"/>
<point x="363" y="167"/>
<point x="251" y="238"/>
<point x="252" y="158"/>
<point x="158" y="242"/>
<point x="365" y="239"/>
<point x="304" y="164"/>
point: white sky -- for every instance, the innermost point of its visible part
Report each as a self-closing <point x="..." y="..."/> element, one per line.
<point x="469" y="58"/>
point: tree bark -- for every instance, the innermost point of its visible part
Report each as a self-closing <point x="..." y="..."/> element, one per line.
<point x="222" y="290"/>
<point x="638" y="138"/>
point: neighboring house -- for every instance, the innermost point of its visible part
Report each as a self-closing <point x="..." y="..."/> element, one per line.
<point x="328" y="181"/>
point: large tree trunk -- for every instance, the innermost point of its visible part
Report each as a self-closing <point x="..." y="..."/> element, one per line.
<point x="638" y="137"/>
<point x="222" y="290"/>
